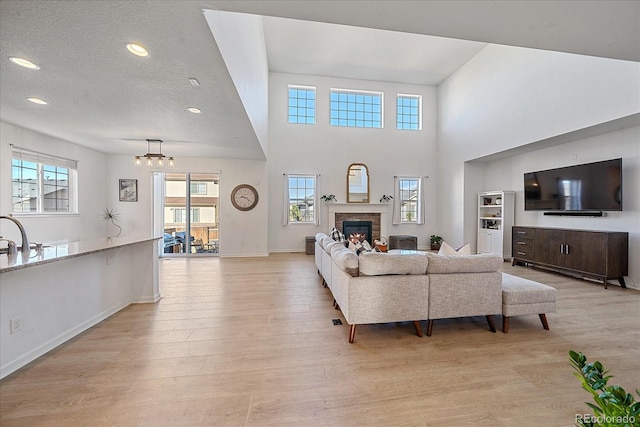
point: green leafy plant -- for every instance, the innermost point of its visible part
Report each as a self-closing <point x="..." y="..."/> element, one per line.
<point x="385" y="198"/>
<point x="435" y="239"/>
<point x="295" y="213"/>
<point x="613" y="405"/>
<point x="329" y="197"/>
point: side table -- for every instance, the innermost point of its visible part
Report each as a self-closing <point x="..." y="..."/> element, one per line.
<point x="403" y="241"/>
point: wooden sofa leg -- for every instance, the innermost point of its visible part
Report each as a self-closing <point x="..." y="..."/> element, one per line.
<point x="492" y="326"/>
<point x="429" y="327"/>
<point x="505" y="324"/>
<point x="352" y="333"/>
<point x="543" y="319"/>
<point x="416" y="323"/>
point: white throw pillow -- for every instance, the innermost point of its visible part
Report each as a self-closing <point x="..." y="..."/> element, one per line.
<point x="445" y="249"/>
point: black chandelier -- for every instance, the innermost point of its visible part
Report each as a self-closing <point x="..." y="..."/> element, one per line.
<point x="150" y="156"/>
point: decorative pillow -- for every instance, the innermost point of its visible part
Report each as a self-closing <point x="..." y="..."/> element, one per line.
<point x="445" y="249"/>
<point x="337" y="235"/>
<point x="358" y="247"/>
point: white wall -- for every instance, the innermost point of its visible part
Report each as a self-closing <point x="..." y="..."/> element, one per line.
<point x="508" y="173"/>
<point x="241" y="233"/>
<point x="328" y="150"/>
<point x="92" y="167"/>
<point x="240" y="38"/>
<point x="507" y="97"/>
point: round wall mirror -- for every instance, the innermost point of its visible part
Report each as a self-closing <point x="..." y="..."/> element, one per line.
<point x="357" y="183"/>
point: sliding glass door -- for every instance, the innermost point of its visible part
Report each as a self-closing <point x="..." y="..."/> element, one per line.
<point x="191" y="214"/>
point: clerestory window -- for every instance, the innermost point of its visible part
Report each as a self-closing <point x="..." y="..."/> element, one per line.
<point x="409" y="112"/>
<point x="352" y="108"/>
<point x="302" y="104"/>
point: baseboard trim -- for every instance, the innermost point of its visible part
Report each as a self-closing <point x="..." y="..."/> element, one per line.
<point x="29" y="357"/>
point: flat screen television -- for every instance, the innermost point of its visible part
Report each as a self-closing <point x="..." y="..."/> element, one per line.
<point x="589" y="187"/>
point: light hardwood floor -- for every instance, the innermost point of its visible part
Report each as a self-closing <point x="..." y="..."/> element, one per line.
<point x="250" y="342"/>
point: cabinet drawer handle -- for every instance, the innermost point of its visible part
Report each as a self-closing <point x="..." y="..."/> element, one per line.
<point x="522" y="243"/>
<point x="521" y="232"/>
<point x="522" y="253"/>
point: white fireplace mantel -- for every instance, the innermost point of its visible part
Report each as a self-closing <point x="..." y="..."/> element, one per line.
<point x="381" y="208"/>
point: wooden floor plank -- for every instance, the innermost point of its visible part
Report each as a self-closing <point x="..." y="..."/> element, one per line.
<point x="250" y="342"/>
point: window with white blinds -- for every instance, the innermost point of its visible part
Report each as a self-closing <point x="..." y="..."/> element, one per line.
<point x="43" y="183"/>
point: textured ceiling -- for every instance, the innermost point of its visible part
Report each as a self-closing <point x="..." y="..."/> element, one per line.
<point x="103" y="97"/>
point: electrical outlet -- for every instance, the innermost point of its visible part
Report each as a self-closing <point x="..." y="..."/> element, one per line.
<point x="15" y="326"/>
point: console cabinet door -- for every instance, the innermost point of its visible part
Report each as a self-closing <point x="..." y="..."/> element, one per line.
<point x="587" y="251"/>
<point x="549" y="246"/>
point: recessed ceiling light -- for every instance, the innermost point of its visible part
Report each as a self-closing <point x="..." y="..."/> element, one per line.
<point x="194" y="110"/>
<point x="23" y="63"/>
<point x="194" y="81"/>
<point x="136" y="49"/>
<point x="38" y="101"/>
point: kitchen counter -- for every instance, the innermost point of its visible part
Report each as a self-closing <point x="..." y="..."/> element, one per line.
<point x="65" y="250"/>
<point x="51" y="295"/>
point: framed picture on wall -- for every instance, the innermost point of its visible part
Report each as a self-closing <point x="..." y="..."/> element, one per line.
<point x="128" y="190"/>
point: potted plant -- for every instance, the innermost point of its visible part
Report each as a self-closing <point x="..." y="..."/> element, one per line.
<point x="613" y="405"/>
<point x="329" y="198"/>
<point x="385" y="198"/>
<point x="436" y="242"/>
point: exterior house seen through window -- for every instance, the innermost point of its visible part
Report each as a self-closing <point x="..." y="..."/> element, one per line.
<point x="408" y="112"/>
<point x="42" y="183"/>
<point x="409" y="199"/>
<point x="302" y="104"/>
<point x="302" y="190"/>
<point x="355" y="108"/>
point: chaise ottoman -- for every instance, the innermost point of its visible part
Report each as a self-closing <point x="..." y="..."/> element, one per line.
<point x="523" y="296"/>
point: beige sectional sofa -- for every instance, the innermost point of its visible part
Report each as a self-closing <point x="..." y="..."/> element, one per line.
<point x="397" y="287"/>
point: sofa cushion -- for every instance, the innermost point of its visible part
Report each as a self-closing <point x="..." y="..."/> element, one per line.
<point x="446" y="249"/>
<point x="518" y="290"/>
<point x="379" y="264"/>
<point x="463" y="263"/>
<point x="319" y="236"/>
<point x="331" y="244"/>
<point x="345" y="259"/>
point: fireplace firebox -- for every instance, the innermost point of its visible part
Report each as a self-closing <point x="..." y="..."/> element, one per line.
<point x="360" y="229"/>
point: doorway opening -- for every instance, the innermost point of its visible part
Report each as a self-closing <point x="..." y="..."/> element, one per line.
<point x="191" y="214"/>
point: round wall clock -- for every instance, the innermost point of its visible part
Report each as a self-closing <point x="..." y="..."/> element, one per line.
<point x="244" y="197"/>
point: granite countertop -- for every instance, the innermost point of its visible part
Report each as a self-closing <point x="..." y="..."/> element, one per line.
<point x="64" y="250"/>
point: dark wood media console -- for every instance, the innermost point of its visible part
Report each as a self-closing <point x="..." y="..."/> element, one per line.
<point x="600" y="255"/>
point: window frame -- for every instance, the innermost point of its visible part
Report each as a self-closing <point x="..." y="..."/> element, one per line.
<point x="312" y="197"/>
<point x="347" y="115"/>
<point x="296" y="101"/>
<point x="416" y="202"/>
<point x="418" y="115"/>
<point x="44" y="164"/>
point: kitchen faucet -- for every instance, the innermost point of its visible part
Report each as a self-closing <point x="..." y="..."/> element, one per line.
<point x="25" y="240"/>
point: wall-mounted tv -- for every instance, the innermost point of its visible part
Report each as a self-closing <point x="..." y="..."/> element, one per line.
<point x="589" y="187"/>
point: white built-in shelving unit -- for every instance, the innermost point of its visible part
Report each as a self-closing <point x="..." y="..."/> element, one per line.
<point x="495" y="220"/>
